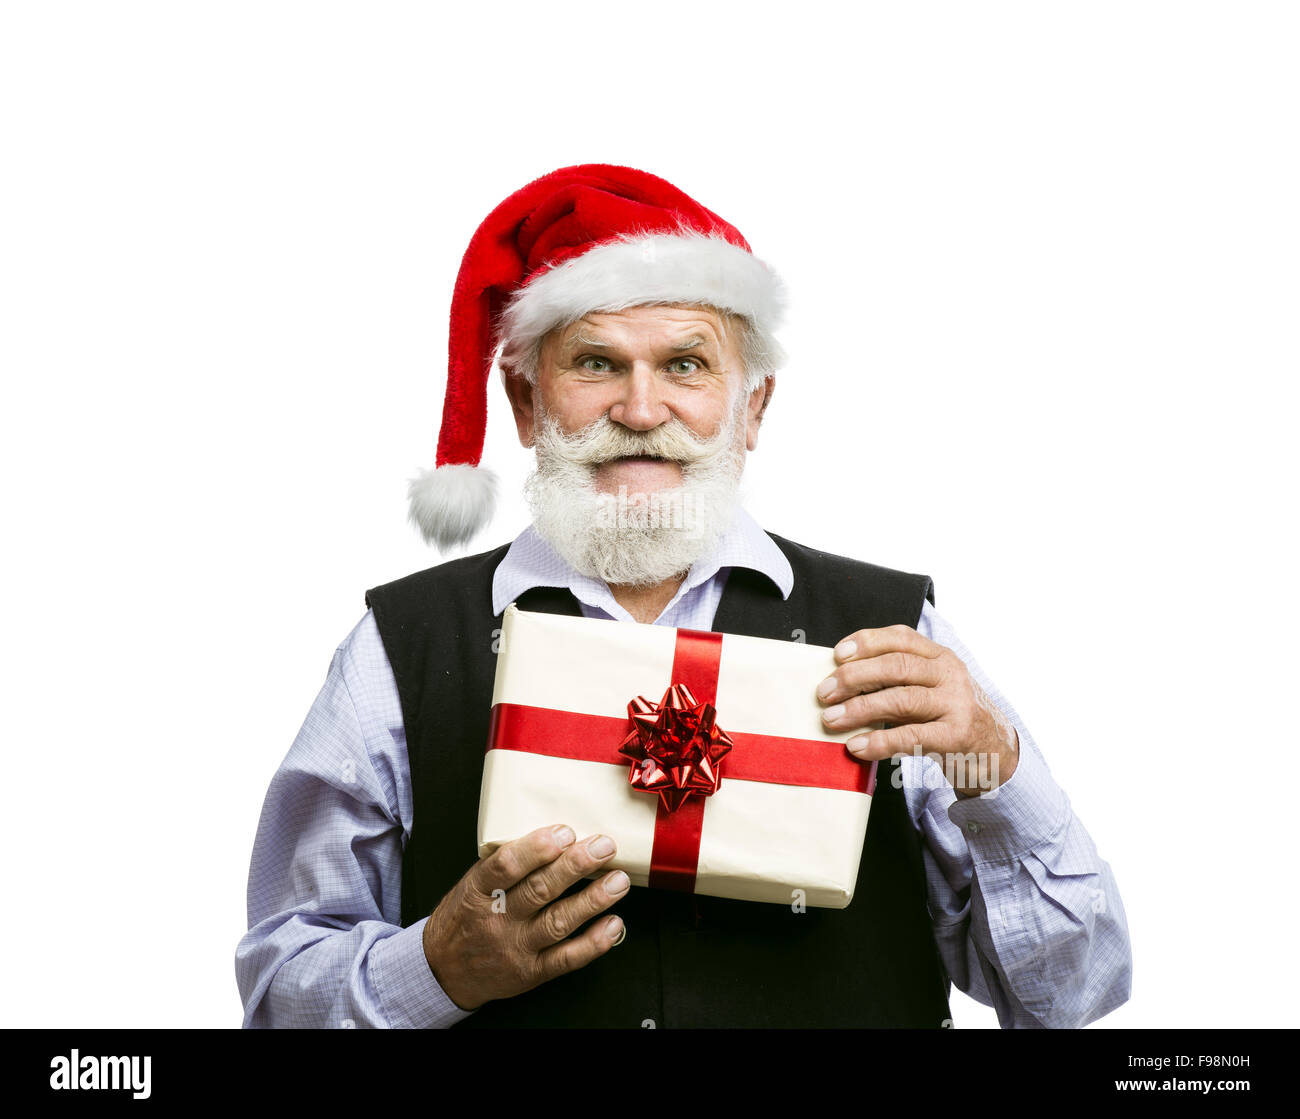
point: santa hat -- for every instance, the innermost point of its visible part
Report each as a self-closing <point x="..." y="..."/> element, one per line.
<point x="582" y="239"/>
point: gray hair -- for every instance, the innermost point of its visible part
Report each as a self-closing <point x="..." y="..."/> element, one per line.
<point x="760" y="352"/>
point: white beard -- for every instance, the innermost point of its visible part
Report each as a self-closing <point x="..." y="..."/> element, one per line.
<point x="636" y="539"/>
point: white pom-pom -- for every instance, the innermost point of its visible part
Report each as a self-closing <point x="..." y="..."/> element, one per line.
<point x="450" y="504"/>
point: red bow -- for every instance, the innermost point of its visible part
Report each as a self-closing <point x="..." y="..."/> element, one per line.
<point x="676" y="747"/>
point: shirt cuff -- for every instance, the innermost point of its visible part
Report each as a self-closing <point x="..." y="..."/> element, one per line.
<point x="410" y="996"/>
<point x="1021" y="814"/>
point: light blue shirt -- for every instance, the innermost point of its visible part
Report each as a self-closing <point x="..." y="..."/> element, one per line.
<point x="1027" y="916"/>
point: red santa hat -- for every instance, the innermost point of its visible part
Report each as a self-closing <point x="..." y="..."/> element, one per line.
<point x="590" y="238"/>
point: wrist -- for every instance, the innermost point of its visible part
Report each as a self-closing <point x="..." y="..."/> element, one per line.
<point x="431" y="957"/>
<point x="992" y="768"/>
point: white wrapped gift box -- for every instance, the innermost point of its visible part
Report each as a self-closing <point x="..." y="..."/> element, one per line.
<point x="789" y="817"/>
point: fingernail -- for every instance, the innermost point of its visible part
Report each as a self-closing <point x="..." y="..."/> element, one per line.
<point x="833" y="714"/>
<point x="846" y="649"/>
<point x="563" y="836"/>
<point x="601" y="847"/>
<point x="826" y="687"/>
<point x="615" y="925"/>
<point x="616" y="883"/>
<point x="857" y="745"/>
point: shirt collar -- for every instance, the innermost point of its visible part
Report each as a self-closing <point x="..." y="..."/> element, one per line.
<point x="532" y="562"/>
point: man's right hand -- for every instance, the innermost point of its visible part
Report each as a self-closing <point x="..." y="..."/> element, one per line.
<point x="501" y="931"/>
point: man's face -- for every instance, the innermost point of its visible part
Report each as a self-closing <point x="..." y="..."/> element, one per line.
<point x="642" y="368"/>
<point x="641" y="427"/>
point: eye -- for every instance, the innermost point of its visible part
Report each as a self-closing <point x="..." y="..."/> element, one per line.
<point x="595" y="364"/>
<point x="684" y="366"/>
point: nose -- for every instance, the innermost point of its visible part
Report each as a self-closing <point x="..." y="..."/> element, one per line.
<point x="641" y="404"/>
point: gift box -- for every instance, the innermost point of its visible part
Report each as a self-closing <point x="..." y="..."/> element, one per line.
<point x="703" y="755"/>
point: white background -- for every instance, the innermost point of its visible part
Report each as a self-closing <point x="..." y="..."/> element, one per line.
<point x="1043" y="262"/>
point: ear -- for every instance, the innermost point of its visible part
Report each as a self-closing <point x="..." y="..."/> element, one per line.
<point x="758" y="401"/>
<point x="520" y="394"/>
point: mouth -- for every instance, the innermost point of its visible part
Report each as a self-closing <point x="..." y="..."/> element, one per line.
<point x="638" y="473"/>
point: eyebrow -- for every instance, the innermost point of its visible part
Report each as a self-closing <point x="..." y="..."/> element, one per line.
<point x="691" y="342"/>
<point x="581" y="339"/>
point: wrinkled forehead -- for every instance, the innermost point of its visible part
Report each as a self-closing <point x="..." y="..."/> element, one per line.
<point x="677" y="326"/>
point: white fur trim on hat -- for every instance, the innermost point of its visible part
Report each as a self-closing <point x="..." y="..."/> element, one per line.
<point x="635" y="270"/>
<point x="451" y="503"/>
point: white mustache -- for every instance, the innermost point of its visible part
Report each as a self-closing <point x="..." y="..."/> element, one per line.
<point x="603" y="440"/>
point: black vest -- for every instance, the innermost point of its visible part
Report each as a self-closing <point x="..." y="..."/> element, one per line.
<point x="686" y="960"/>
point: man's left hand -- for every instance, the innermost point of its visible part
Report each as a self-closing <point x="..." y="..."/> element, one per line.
<point x="924" y="694"/>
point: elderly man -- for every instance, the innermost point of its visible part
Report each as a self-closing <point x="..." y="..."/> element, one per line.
<point x="635" y="335"/>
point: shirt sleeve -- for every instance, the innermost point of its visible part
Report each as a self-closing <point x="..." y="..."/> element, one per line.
<point x="325" y="947"/>
<point x="1027" y="915"/>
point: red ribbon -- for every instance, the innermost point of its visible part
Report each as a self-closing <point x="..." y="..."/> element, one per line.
<point x="810" y="763"/>
<point x="676" y="851"/>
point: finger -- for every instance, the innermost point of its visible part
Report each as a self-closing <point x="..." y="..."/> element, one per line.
<point x="915" y="739"/>
<point x="512" y="862"/>
<point x="559" y="919"/>
<point x="886" y="670"/>
<point x="579" y="951"/>
<point x="907" y="704"/>
<point x="892" y="639"/>
<point x="547" y="883"/>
